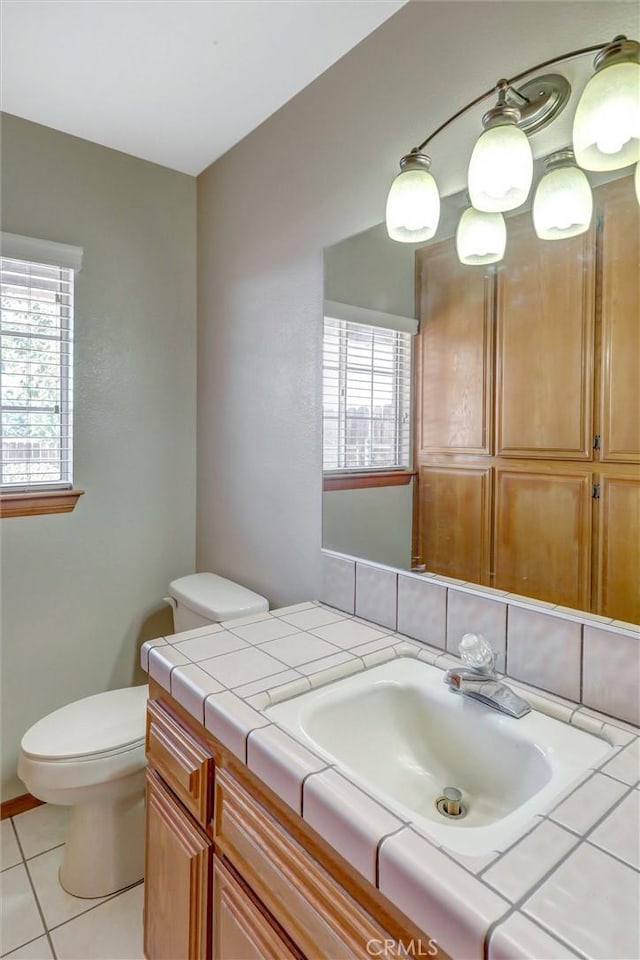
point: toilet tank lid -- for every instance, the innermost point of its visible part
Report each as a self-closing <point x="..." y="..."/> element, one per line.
<point x="216" y="598"/>
<point x="101" y="724"/>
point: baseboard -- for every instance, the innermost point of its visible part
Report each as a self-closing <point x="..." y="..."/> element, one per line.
<point x="11" y="808"/>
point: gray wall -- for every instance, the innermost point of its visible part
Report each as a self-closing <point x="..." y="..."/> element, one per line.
<point x="372" y="271"/>
<point x="314" y="173"/>
<point x="80" y="591"/>
<point x="373" y="523"/>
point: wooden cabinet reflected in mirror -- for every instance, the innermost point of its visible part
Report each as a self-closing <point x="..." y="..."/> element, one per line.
<point x="527" y="413"/>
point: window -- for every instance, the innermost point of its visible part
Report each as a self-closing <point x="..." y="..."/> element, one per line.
<point x="36" y="374"/>
<point x="366" y="394"/>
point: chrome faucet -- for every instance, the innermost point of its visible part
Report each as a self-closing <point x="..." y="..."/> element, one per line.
<point x="480" y="682"/>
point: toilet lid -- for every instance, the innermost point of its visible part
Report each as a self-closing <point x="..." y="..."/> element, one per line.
<point x="105" y="723"/>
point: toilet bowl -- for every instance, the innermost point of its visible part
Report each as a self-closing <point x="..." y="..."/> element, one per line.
<point x="90" y="755"/>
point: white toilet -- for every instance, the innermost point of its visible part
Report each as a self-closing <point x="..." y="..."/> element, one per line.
<point x="90" y="755"/>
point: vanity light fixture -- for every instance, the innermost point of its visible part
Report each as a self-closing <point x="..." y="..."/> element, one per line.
<point x="413" y="204"/>
<point x="481" y="237"/>
<point x="563" y="202"/>
<point x="606" y="127"/>
<point x="606" y="137"/>
<point x="501" y="165"/>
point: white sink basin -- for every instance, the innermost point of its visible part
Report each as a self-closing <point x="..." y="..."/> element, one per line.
<point x="401" y="734"/>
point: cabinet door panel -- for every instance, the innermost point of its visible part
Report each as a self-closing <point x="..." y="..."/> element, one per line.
<point x="454" y="353"/>
<point x="241" y="931"/>
<point x="183" y="763"/>
<point x="618" y="564"/>
<point x="620" y="259"/>
<point x="177" y="879"/>
<point x="454" y="521"/>
<point x="544" y="357"/>
<point x="542" y="534"/>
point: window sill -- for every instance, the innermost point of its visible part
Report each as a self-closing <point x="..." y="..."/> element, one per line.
<point x="358" y="481"/>
<point x="33" y="504"/>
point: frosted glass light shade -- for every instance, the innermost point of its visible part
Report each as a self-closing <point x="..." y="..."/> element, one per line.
<point x="501" y="169"/>
<point x="563" y="204"/>
<point x="413" y="206"/>
<point x="606" y="127"/>
<point x="481" y="237"/>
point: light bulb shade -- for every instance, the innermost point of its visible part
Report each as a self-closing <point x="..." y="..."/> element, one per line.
<point x="413" y="205"/>
<point x="481" y="237"/>
<point x="563" y="204"/>
<point x="501" y="169"/>
<point x="606" y="127"/>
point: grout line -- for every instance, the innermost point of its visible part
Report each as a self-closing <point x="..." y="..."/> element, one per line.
<point x="581" y="662"/>
<point x="43" y="919"/>
<point x="96" y="906"/>
<point x="42" y="852"/>
<point x="384" y="837"/>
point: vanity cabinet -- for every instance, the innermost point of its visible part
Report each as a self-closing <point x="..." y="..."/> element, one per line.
<point x="252" y="881"/>
<point x="527" y="404"/>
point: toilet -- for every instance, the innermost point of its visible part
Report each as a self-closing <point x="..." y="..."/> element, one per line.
<point x="90" y="755"/>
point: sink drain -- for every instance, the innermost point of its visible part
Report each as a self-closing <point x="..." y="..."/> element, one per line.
<point x="450" y="804"/>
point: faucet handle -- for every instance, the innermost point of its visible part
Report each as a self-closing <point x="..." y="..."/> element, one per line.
<point x="476" y="653"/>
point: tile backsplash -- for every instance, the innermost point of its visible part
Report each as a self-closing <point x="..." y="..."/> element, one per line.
<point x="586" y="659"/>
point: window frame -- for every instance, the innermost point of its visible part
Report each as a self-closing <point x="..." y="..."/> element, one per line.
<point x="351" y="478"/>
<point x="59" y="496"/>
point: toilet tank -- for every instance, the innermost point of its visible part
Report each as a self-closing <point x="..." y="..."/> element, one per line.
<point x="203" y="598"/>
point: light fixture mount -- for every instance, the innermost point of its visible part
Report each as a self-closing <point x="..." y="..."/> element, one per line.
<point x="620" y="50"/>
<point x="544" y="99"/>
<point x="560" y="158"/>
<point x="415" y="160"/>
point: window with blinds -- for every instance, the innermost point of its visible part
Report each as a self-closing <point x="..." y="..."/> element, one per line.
<point x="36" y="375"/>
<point x="366" y="397"/>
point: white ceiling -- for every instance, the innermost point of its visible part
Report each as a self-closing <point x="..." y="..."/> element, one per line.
<point x="177" y="82"/>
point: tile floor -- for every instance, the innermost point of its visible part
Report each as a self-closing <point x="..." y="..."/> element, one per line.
<point x="40" y="921"/>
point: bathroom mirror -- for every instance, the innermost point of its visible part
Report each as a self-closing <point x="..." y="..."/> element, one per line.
<point x="373" y="272"/>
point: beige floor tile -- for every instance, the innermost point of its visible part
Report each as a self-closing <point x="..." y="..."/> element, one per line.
<point x="57" y="905"/>
<point x="113" y="931"/>
<point x="42" y="828"/>
<point x="36" y="950"/>
<point x="21" y="921"/>
<point x="10" y="854"/>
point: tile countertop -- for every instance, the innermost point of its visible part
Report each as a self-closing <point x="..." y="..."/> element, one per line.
<point x="569" y="887"/>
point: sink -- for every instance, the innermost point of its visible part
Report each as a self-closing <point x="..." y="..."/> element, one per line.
<point x="397" y="731"/>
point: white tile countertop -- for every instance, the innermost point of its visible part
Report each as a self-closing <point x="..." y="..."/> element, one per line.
<point x="569" y="887"/>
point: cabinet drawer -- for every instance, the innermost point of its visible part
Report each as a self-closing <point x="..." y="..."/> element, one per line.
<point x="241" y="930"/>
<point x="310" y="906"/>
<point x="182" y="762"/>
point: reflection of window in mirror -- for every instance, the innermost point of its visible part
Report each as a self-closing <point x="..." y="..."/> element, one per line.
<point x="366" y="397"/>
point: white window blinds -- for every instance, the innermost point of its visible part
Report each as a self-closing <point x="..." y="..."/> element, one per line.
<point x="366" y="396"/>
<point x="36" y="373"/>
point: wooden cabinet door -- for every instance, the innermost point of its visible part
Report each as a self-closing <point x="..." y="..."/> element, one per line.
<point x="454" y="352"/>
<point x="544" y="346"/>
<point x="241" y="931"/>
<point x="177" y="879"/>
<point x="618" y="557"/>
<point x="454" y="521"/>
<point x="542" y="534"/>
<point x="620" y="310"/>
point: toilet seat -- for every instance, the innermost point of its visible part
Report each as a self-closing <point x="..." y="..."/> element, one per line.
<point x="94" y="728"/>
